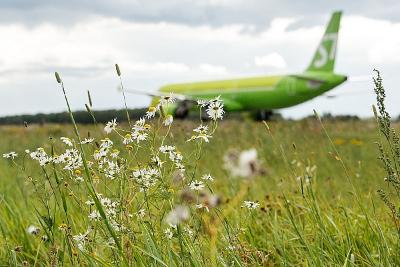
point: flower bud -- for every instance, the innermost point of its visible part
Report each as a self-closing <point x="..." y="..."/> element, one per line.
<point x="117" y="69"/>
<point x="58" y="77"/>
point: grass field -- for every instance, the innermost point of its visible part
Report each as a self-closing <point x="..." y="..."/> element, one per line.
<point x="316" y="192"/>
<point x="158" y="192"/>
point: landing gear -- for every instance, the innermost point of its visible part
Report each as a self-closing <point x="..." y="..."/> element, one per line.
<point x="182" y="111"/>
<point x="263" y="115"/>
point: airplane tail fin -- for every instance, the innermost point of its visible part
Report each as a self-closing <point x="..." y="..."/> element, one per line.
<point x="324" y="57"/>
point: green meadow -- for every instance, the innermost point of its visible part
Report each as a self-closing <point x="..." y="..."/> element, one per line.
<point x="316" y="189"/>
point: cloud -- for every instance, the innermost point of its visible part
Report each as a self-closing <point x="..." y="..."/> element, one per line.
<point x="213" y="69"/>
<point x="216" y="13"/>
<point x="151" y="54"/>
<point x="273" y="60"/>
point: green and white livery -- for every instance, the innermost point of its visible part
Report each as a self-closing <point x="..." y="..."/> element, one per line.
<point x="267" y="93"/>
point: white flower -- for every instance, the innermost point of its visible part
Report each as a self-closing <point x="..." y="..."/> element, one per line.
<point x="166" y="149"/>
<point x="141" y="213"/>
<point x="140" y="136"/>
<point x="94" y="216"/>
<point x="79" y="179"/>
<point x="207" y="177"/>
<point x="201" y="129"/>
<point x="202" y="103"/>
<point x="151" y="112"/>
<point x="114" y="153"/>
<point x="251" y="205"/>
<point x="196" y="185"/>
<point x="127" y="139"/>
<point x="110" y="126"/>
<point x="87" y="141"/>
<point x="40" y="156"/>
<point x="89" y="203"/>
<point x="202" y="206"/>
<point x="189" y="231"/>
<point x="10" y="155"/>
<point x="33" y="230"/>
<point x="201" y="133"/>
<point x="139" y="125"/>
<point x="157" y="161"/>
<point x="168" y="120"/>
<point x="80" y="240"/>
<point x="66" y="141"/>
<point x="215" y="109"/>
<point x="167" y="99"/>
<point x="177" y="215"/>
<point x="245" y="164"/>
<point x="168" y="233"/>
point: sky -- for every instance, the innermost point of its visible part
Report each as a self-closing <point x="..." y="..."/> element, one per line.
<point x="159" y="42"/>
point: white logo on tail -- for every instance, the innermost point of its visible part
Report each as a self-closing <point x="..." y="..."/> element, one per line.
<point x="324" y="55"/>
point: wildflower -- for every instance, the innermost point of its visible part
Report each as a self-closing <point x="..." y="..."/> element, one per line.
<point x="202" y="103"/>
<point x="207" y="177"/>
<point x="10" y="155"/>
<point x="202" y="206"/>
<point x="201" y="129"/>
<point x="139" y="136"/>
<point x="63" y="227"/>
<point x="167" y="99"/>
<point x="177" y="215"/>
<point x="168" y="233"/>
<point x="141" y="213"/>
<point x="157" y="161"/>
<point x="151" y="112"/>
<point x="114" y="153"/>
<point x="166" y="149"/>
<point x="106" y="144"/>
<point x="72" y="159"/>
<point x="251" y="205"/>
<point x="244" y="164"/>
<point x="215" y="109"/>
<point x="94" y="216"/>
<point x="127" y="139"/>
<point x="80" y="240"/>
<point x="168" y="120"/>
<point x="111" y="242"/>
<point x="138" y="130"/>
<point x="110" y="126"/>
<point x="188" y="231"/>
<point x="41" y="156"/>
<point x="66" y="141"/>
<point x="201" y="133"/>
<point x="196" y="185"/>
<point x="99" y="154"/>
<point x="208" y="201"/>
<point x="90" y="203"/>
<point x="139" y="125"/>
<point x="87" y="141"/>
<point x="146" y="177"/>
<point x="33" y="230"/>
<point x="79" y="179"/>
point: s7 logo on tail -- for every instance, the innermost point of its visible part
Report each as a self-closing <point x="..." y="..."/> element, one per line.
<point x="323" y="52"/>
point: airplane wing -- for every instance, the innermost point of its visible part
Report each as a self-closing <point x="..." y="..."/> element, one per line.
<point x="158" y="94"/>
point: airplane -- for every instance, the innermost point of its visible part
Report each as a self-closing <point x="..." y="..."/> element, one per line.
<point x="264" y="94"/>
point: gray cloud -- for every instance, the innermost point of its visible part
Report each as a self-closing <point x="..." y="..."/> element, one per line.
<point x="212" y="12"/>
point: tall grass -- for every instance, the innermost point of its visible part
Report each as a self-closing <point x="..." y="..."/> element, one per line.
<point x="149" y="194"/>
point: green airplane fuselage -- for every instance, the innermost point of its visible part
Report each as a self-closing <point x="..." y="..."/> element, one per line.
<point x="265" y="92"/>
